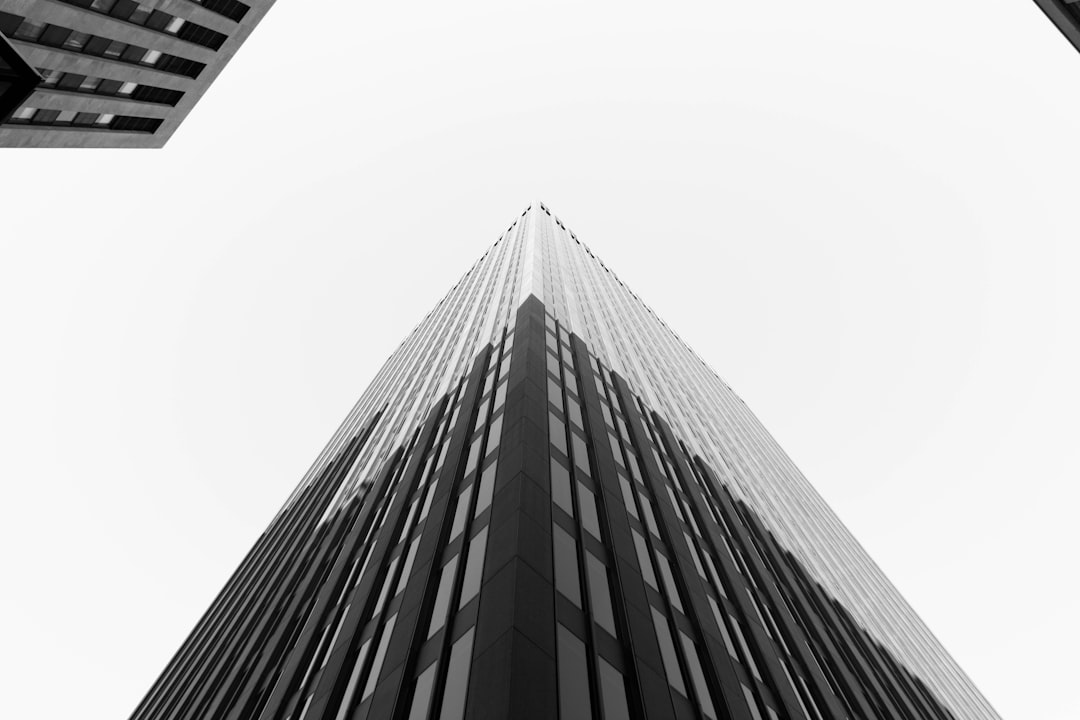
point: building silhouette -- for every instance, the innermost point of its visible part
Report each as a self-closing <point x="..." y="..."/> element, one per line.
<point x="547" y="506"/>
<point x="1066" y="15"/>
<point x="117" y="73"/>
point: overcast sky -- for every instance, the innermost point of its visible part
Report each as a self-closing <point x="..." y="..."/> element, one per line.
<point x="863" y="215"/>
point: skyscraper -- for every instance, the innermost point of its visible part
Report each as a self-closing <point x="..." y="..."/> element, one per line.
<point x="118" y="73"/>
<point x="547" y="506"/>
<point x="1066" y="15"/>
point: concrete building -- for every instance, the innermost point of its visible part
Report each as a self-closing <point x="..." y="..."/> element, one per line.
<point x="546" y="505"/>
<point x="118" y="73"/>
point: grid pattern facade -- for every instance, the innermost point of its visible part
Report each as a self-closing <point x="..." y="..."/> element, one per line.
<point x="546" y="505"/>
<point x="118" y="73"/>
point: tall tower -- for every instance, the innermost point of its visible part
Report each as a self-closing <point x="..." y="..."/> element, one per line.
<point x="547" y="506"/>
<point x="1066" y="15"/>
<point x="116" y="73"/>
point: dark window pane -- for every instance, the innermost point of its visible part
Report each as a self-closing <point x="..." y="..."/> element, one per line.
<point x="474" y="456"/>
<point x="95" y="45"/>
<point x="474" y="567"/>
<point x="558" y="433"/>
<point x="494" y="433"/>
<point x="697" y="677"/>
<point x="54" y="36"/>
<point x="461" y="512"/>
<point x="566" y="565"/>
<point x="457" y="679"/>
<point x="554" y="393"/>
<point x="581" y="454"/>
<point x="751" y="702"/>
<point x="560" y="487"/>
<point x="613" y="692"/>
<point x="574" y="701"/>
<point x="737" y="631"/>
<point x="487" y="488"/>
<point x="667" y="652"/>
<point x="669" y="581"/>
<point x="422" y="696"/>
<point x="600" y="593"/>
<point x="650" y="519"/>
<point x="575" y="413"/>
<point x="406" y="569"/>
<point x="643" y="560"/>
<point x="70" y="81"/>
<point x="380" y="655"/>
<point x="628" y="496"/>
<point x="553" y="365"/>
<point x="587" y="503"/>
<point x="109" y="87"/>
<point x="723" y="629"/>
<point x="442" y="596"/>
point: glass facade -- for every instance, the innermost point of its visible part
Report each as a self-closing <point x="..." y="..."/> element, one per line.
<point x="545" y="505"/>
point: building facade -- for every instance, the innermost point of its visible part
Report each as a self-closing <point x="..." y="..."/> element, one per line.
<point x="118" y="73"/>
<point x="547" y="506"/>
<point x="1066" y="15"/>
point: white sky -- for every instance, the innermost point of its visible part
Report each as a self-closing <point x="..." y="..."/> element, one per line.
<point x="861" y="214"/>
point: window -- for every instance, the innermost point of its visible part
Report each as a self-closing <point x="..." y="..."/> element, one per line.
<point x="643" y="560"/>
<point x="487" y="489"/>
<point x="574" y="702"/>
<point x="115" y="49"/>
<point x="669" y="581"/>
<point x="151" y="57"/>
<point x="589" y="519"/>
<point x="422" y="695"/>
<point x="406" y="569"/>
<point x="751" y="702"/>
<point x="354" y="678"/>
<point x="457" y="678"/>
<point x="442" y="596"/>
<point x="737" y="629"/>
<point x="697" y="676"/>
<point x="581" y="454"/>
<point x="566" y="565"/>
<point x="600" y="593"/>
<point x="554" y="393"/>
<point x="560" y="487"/>
<point x="29" y="31"/>
<point x="474" y="456"/>
<point x="460" y="513"/>
<point x="558" y="433"/>
<point x="380" y="655"/>
<point x="612" y="692"/>
<point x="127" y="88"/>
<point x="667" y="652"/>
<point x="474" y="568"/>
<point x="628" y="496"/>
<point x="723" y="628"/>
